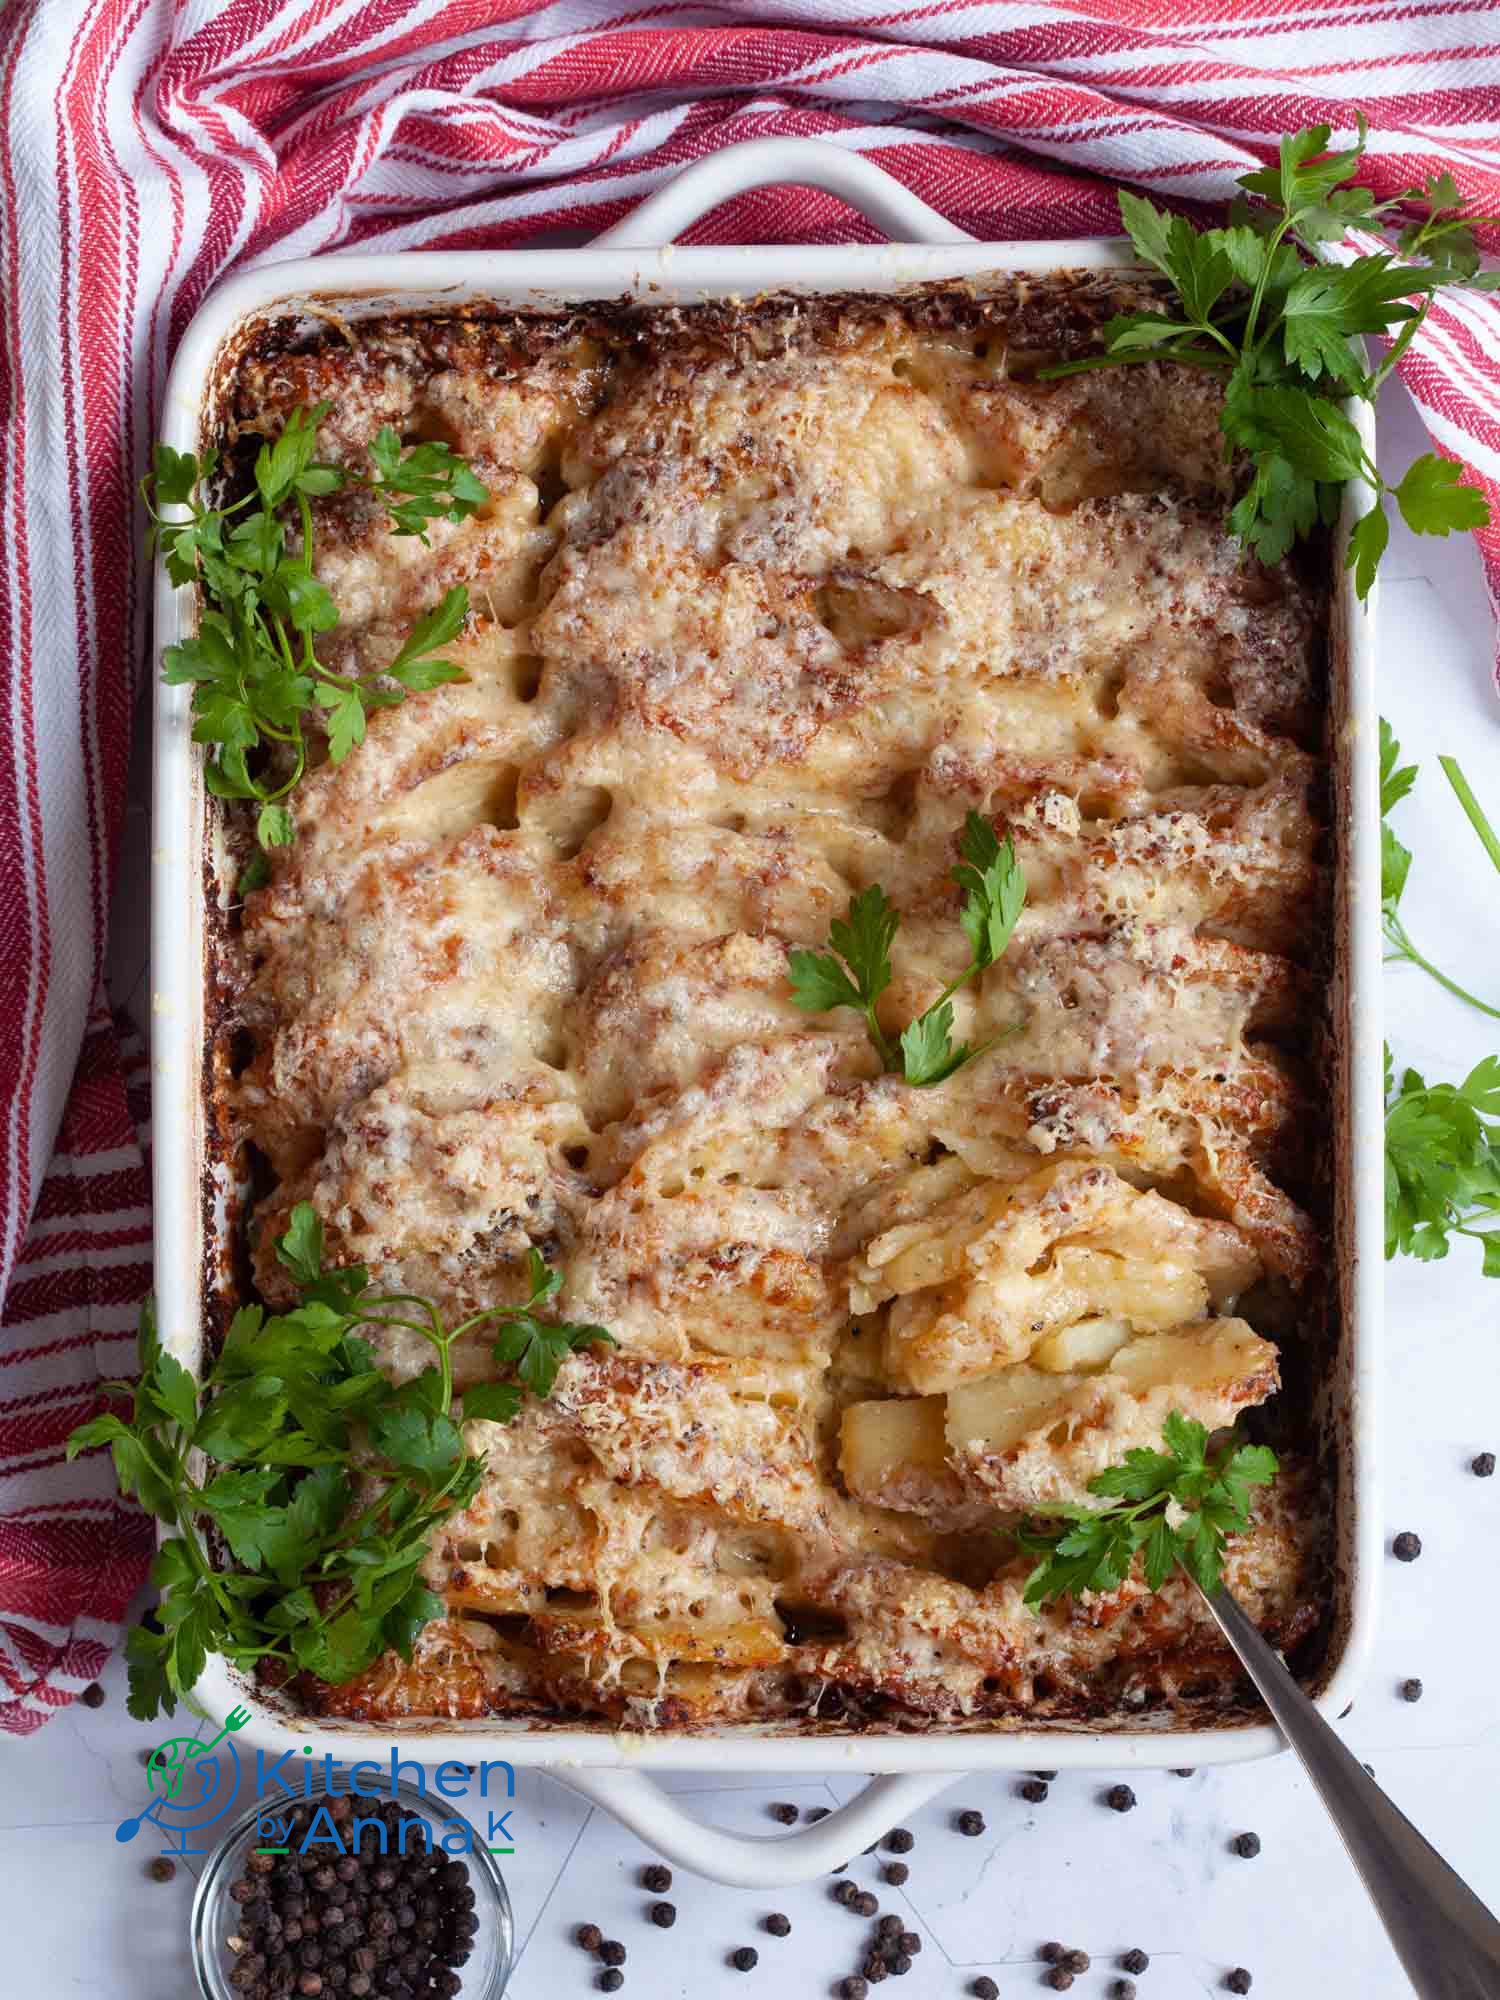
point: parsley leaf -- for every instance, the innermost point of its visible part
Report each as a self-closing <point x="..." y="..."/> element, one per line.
<point x="1442" y="1163"/>
<point x="1284" y="330"/>
<point x="269" y="1557"/>
<point x="1177" y="1505"/>
<point x="994" y="895"/>
<point x="538" y="1347"/>
<point x="252" y="664"/>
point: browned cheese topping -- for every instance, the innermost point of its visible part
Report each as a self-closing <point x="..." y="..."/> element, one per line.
<point x="765" y="601"/>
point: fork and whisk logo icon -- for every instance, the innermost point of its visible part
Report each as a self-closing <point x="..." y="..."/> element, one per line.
<point x="194" y="1783"/>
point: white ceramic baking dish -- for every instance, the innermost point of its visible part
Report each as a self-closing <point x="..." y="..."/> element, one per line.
<point x="637" y="260"/>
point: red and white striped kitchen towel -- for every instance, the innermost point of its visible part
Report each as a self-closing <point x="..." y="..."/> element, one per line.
<point x="149" y="146"/>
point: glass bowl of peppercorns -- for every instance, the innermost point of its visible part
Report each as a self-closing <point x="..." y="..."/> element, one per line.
<point x="382" y="1913"/>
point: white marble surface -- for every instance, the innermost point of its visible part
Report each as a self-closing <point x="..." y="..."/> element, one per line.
<point x="79" y="1917"/>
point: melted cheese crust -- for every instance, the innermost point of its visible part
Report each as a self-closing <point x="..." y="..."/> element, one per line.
<point x="763" y="603"/>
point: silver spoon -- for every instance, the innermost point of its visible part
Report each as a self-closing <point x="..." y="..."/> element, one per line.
<point x="1444" y="1936"/>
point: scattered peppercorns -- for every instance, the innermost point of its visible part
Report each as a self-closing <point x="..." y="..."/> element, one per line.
<point x="1406" y="1547"/>
<point x="900" y="1840"/>
<point x="610" y="1981"/>
<point x="589" y="1936"/>
<point x="1483" y="1467"/>
<point x="1053" y="1952"/>
<point x="896" y="1873"/>
<point x="984" y="1988"/>
<point x="888" y="1929"/>
<point x="612" y="1952"/>
<point x="855" y="1987"/>
<point x="1122" y="1989"/>
<point x="161" y="1869"/>
<point x="1246" y="1845"/>
<point x="1411" y="1690"/>
<point x="1034" y="1791"/>
<point x="656" y="1878"/>
<point x="970" y="1823"/>
<point x="745" y="1959"/>
<point x="778" y="1924"/>
<point x="1120" y="1798"/>
<point x="1238" y="1981"/>
<point x="92" y="1696"/>
<point x="663" y="1915"/>
<point x="1134" y="1961"/>
<point x="845" y="1892"/>
<point x="1076" y="1961"/>
<point x="864" y="1904"/>
<point x="1059" y="1979"/>
<point x="787" y="1814"/>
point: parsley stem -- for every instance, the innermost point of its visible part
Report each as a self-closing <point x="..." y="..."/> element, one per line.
<point x="1395" y="932"/>
<point x="1472" y="808"/>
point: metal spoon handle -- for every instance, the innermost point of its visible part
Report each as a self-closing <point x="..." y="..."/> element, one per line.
<point x="1444" y="1936"/>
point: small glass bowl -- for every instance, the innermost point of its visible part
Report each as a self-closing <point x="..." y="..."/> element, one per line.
<point x="215" y="1912"/>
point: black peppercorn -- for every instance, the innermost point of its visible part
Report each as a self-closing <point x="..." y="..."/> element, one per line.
<point x="1122" y="1989"/>
<point x="1406" y="1547"/>
<point x="745" y="1959"/>
<point x="1045" y="1776"/>
<point x="911" y="1944"/>
<point x="895" y="1872"/>
<point x="663" y="1915"/>
<point x="1053" y="1952"/>
<point x="778" y="1925"/>
<point x="161" y="1869"/>
<point x="864" y="1904"/>
<point x="1076" y="1961"/>
<point x="1034" y="1791"/>
<point x="984" y="1988"/>
<point x="612" y="1952"/>
<point x="1246" y="1845"/>
<point x="899" y="1840"/>
<point x="1185" y="1773"/>
<point x="785" y="1813"/>
<point x="875" y="1969"/>
<point x="92" y="1696"/>
<point x="900" y="1964"/>
<point x="1134" y="1961"/>
<point x="854" y="1987"/>
<point x="1411" y="1690"/>
<point x="845" y="1893"/>
<point x="1120" y="1798"/>
<point x="888" y="1927"/>
<point x="970" y="1823"/>
<point x="1059" y="1979"/>
<point x="1238" y="1981"/>
<point x="611" y="1981"/>
<point x="1483" y="1467"/>
<point x="656" y="1878"/>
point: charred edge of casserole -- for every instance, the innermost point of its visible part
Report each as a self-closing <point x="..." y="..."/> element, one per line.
<point x="1040" y="320"/>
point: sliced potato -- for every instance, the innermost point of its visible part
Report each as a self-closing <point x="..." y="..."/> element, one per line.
<point x="1086" y="1345"/>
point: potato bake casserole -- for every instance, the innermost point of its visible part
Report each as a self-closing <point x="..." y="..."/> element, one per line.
<point x="766" y="601"/>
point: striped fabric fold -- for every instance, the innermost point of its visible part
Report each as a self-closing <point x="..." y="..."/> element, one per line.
<point x="147" y="147"/>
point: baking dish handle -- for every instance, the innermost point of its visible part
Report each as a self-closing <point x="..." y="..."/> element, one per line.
<point x="750" y="1861"/>
<point x="757" y="163"/>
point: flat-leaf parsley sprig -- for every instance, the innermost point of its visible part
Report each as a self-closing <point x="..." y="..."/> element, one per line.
<point x="1442" y="1163"/>
<point x="1286" y="335"/>
<point x="1177" y="1505"/>
<point x="292" y="1426"/>
<point x="253" y="663"/>
<point x="858" y="969"/>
